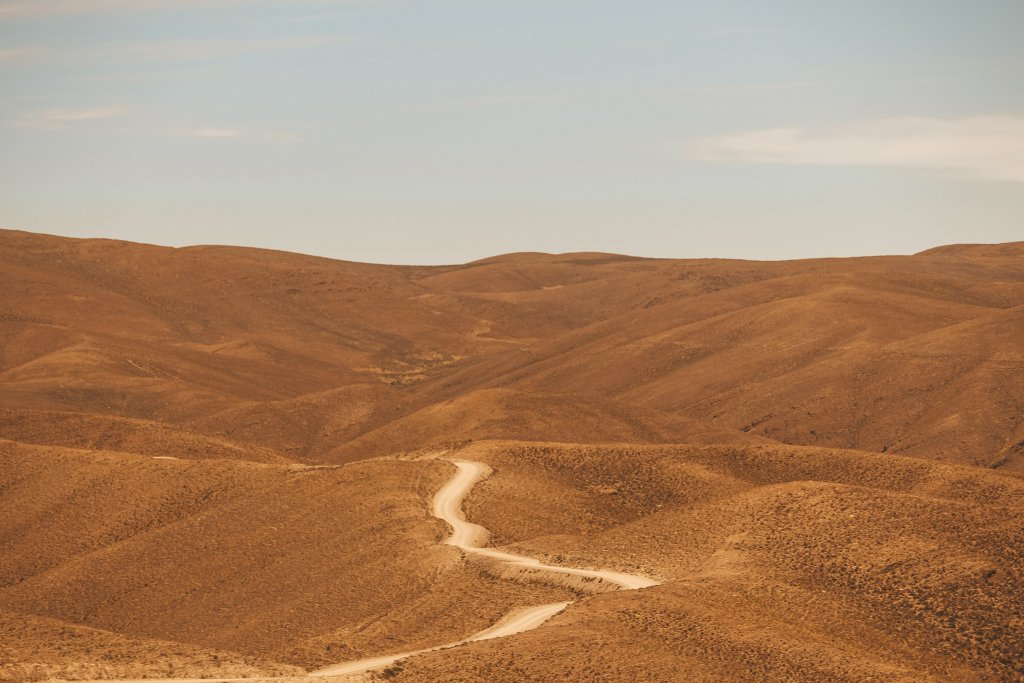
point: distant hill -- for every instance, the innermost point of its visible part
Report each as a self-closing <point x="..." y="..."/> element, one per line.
<point x="916" y="355"/>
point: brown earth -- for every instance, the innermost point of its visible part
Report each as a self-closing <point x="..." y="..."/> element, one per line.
<point x="34" y="648"/>
<point x="212" y="462"/>
<point x="778" y="562"/>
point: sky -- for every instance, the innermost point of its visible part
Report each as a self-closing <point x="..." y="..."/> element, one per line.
<point x="443" y="131"/>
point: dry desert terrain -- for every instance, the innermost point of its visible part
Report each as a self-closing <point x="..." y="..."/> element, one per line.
<point x="230" y="463"/>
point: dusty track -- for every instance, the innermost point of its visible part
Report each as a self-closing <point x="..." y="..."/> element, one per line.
<point x="513" y="623"/>
<point x="466" y="536"/>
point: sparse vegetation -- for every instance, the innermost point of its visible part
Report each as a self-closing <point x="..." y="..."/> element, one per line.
<point x="218" y="460"/>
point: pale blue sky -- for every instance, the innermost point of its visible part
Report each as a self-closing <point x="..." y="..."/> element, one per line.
<point x="443" y="131"/>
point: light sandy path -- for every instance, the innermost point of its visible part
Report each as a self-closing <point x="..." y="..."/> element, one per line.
<point x="468" y="537"/>
<point x="513" y="623"/>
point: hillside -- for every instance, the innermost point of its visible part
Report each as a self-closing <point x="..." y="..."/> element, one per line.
<point x="778" y="563"/>
<point x="219" y="461"/>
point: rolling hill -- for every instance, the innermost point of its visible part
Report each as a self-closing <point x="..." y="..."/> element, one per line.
<point x="219" y="461"/>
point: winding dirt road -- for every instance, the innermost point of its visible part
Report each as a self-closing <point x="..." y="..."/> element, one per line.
<point x="468" y="537"/>
<point x="513" y="623"/>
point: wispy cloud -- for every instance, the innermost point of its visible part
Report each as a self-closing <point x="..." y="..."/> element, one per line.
<point x="981" y="146"/>
<point x="15" y="9"/>
<point x="84" y="117"/>
<point x="13" y="54"/>
<point x="22" y="9"/>
<point x="60" y="118"/>
<point x="195" y="50"/>
<point x="72" y="115"/>
<point x="33" y="9"/>
<point x="160" y="51"/>
<point x="227" y="133"/>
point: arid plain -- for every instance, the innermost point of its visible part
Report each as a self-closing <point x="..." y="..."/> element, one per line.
<point x="221" y="462"/>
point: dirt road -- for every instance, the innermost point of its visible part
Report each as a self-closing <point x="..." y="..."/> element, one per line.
<point x="468" y="537"/>
<point x="513" y="623"/>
